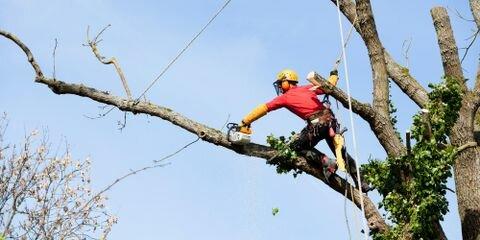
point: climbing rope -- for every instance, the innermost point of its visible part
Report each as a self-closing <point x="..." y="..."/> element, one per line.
<point x="352" y="125"/>
<point x="165" y="69"/>
<point x="340" y="56"/>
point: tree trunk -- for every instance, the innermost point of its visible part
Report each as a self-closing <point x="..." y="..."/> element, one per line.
<point x="467" y="170"/>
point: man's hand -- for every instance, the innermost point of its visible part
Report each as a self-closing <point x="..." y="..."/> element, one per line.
<point x="333" y="79"/>
<point x="245" y="128"/>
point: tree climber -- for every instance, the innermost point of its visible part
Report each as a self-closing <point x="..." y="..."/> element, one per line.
<point x="321" y="122"/>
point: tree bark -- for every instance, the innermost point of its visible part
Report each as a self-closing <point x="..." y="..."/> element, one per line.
<point x="467" y="169"/>
<point x="402" y="77"/>
<point x="448" y="46"/>
<point x="475" y="7"/>
<point x="375" y="52"/>
<point x="396" y="72"/>
<point x="467" y="164"/>
<point x="379" y="122"/>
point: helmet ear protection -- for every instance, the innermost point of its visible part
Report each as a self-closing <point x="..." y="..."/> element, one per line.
<point x="285" y="85"/>
<point x="281" y="86"/>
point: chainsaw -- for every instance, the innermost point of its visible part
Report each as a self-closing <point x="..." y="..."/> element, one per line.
<point x="235" y="136"/>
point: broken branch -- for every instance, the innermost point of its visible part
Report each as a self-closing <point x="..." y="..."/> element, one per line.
<point x="93" y="45"/>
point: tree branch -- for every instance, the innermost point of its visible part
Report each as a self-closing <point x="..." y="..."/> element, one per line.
<point x="475" y="8"/>
<point x="364" y="110"/>
<point x="375" y="53"/>
<point x="380" y="124"/>
<point x="448" y="47"/>
<point x="401" y="76"/>
<point x="477" y="80"/>
<point x="466" y="146"/>
<point x="31" y="60"/>
<point x="396" y="72"/>
<point x="93" y="45"/>
<point x="376" y="222"/>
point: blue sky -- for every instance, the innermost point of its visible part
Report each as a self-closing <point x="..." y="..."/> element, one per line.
<point x="207" y="192"/>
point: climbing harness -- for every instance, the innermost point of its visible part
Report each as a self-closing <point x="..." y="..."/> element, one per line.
<point x="355" y="150"/>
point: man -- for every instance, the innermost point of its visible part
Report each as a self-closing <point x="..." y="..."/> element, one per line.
<point x="321" y="123"/>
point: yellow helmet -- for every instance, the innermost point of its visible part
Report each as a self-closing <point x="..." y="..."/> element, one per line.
<point x="287" y="74"/>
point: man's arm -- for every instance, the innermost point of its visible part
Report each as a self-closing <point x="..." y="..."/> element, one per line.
<point x="260" y="111"/>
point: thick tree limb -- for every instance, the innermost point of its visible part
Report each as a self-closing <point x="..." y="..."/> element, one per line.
<point x="448" y="47"/>
<point x="477" y="80"/>
<point x="401" y="76"/>
<point x="467" y="166"/>
<point x="364" y="110"/>
<point x="396" y="72"/>
<point x="376" y="222"/>
<point x="379" y="123"/>
<point x="366" y="22"/>
<point x="475" y="8"/>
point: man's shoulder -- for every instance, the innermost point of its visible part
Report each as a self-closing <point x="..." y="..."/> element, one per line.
<point x="307" y="87"/>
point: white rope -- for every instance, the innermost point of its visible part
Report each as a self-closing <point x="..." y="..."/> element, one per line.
<point x="355" y="150"/>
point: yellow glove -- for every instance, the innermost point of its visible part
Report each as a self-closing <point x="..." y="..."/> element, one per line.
<point x="255" y="114"/>
<point x="338" y="142"/>
<point x="333" y="79"/>
<point x="245" y="129"/>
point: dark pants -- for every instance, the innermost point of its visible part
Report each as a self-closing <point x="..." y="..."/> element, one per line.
<point x="311" y="135"/>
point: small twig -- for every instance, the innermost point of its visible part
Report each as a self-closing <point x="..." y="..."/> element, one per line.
<point x="450" y="190"/>
<point x="93" y="45"/>
<point x="470" y="45"/>
<point x="405" y="49"/>
<point x="178" y="151"/>
<point x="54" y="60"/>
<point x="132" y="172"/>
<point x="100" y="115"/>
<point x="225" y="124"/>
<point x="466" y="146"/>
<point x="460" y="15"/>
<point x="100" y="33"/>
<point x="123" y="124"/>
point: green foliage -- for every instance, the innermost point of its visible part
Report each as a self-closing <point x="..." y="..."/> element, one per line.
<point x="413" y="186"/>
<point x="285" y="154"/>
<point x="392" y="110"/>
<point x="274" y="212"/>
<point x="2" y="237"/>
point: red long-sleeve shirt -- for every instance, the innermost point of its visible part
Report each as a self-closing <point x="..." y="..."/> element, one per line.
<point x="301" y="100"/>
